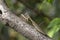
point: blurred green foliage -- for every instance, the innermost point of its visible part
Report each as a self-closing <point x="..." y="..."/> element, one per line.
<point x="54" y="27"/>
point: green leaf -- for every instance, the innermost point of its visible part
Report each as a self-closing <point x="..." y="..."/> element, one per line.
<point x="50" y="1"/>
<point x="54" y="27"/>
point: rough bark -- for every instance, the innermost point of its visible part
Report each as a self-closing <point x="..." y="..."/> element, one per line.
<point x="19" y="25"/>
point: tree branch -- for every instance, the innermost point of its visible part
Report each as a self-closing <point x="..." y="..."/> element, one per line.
<point x="19" y="25"/>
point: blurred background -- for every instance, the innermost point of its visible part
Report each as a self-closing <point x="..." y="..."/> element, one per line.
<point x="46" y="13"/>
